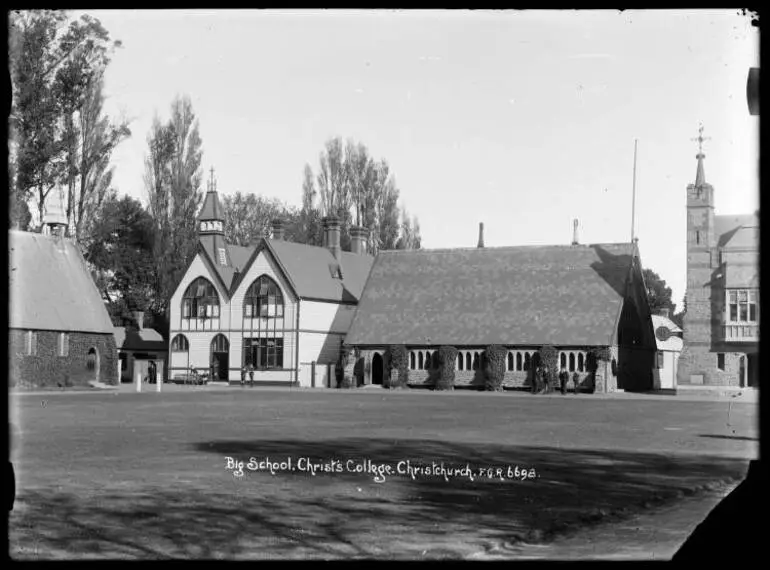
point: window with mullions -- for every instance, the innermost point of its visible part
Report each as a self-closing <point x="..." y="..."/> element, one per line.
<point x="263" y="299"/>
<point x="200" y="300"/>
<point x="180" y="344"/>
<point x="743" y="305"/>
<point x="263" y="353"/>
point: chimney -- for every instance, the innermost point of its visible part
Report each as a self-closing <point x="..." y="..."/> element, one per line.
<point x="481" y="234"/>
<point x="139" y="318"/>
<point x="575" y="232"/>
<point x="277" y="229"/>
<point x="331" y="225"/>
<point x="358" y="237"/>
<point x="664" y="312"/>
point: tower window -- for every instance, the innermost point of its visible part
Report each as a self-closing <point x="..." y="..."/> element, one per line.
<point x="721" y="360"/>
<point x="697" y="237"/>
<point x="222" y="256"/>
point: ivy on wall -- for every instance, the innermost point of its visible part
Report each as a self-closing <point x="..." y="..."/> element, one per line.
<point x="447" y="355"/>
<point x="397" y="359"/>
<point x="494" y="368"/>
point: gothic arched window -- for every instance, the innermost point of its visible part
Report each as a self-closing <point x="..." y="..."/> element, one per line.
<point x="263" y="299"/>
<point x="411" y="361"/>
<point x="180" y="344"/>
<point x="420" y="360"/>
<point x="200" y="300"/>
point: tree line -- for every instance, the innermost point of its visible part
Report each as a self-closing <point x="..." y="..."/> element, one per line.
<point x="61" y="141"/>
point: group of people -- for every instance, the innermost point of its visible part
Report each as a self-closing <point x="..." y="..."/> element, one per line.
<point x="544" y="380"/>
<point x="249" y="369"/>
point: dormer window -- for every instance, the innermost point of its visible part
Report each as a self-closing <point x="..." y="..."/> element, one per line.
<point x="222" y="256"/>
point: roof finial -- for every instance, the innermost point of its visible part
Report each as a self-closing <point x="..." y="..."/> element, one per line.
<point x="700" y="175"/>
<point x="212" y="182"/>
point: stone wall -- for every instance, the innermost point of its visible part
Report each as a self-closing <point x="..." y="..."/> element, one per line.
<point x="47" y="368"/>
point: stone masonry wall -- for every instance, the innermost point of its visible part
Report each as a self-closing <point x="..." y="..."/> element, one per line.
<point x="47" y="368"/>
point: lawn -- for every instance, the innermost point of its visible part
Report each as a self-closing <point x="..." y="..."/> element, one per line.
<point x="145" y="475"/>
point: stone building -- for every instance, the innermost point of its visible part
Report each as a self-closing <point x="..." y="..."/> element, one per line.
<point x="573" y="297"/>
<point x="59" y="331"/>
<point x="721" y="323"/>
<point x="279" y="307"/>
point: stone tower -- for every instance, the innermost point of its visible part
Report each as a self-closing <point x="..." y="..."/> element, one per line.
<point x="697" y="361"/>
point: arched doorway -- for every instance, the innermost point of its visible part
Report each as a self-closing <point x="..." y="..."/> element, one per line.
<point x="377" y="369"/>
<point x="219" y="363"/>
<point x="92" y="362"/>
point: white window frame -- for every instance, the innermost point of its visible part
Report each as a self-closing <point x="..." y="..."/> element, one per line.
<point x="31" y="343"/>
<point x="222" y="256"/>
<point x="64" y="344"/>
<point x="750" y="294"/>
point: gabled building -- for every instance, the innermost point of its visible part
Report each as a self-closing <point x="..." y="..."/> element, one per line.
<point x="721" y="323"/>
<point x="279" y="307"/>
<point x="59" y="330"/>
<point x="141" y="349"/>
<point x="574" y="298"/>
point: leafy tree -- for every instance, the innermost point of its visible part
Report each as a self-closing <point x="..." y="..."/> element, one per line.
<point x="248" y="217"/>
<point x="658" y="294"/>
<point x="121" y="252"/>
<point x="173" y="183"/>
<point x="54" y="63"/>
<point x="309" y="229"/>
<point x="410" y="232"/>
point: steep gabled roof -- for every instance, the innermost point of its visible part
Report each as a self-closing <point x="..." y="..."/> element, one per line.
<point x="307" y="268"/>
<point x="212" y="209"/>
<point x="530" y="295"/>
<point x="51" y="287"/>
<point x="737" y="231"/>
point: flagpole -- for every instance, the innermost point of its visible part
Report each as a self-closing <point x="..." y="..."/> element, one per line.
<point x="633" y="195"/>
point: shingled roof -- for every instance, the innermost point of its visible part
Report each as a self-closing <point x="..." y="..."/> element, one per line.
<point x="51" y="287"/>
<point x="212" y="209"/>
<point x="737" y="231"/>
<point x="308" y="269"/>
<point x="529" y="295"/>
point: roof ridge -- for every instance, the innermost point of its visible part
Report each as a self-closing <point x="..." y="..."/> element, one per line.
<point x="505" y="247"/>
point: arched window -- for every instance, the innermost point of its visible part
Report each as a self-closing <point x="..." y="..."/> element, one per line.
<point x="200" y="300"/>
<point x="510" y="361"/>
<point x="581" y="362"/>
<point x="411" y="361"/>
<point x="519" y="362"/>
<point x="468" y="365"/>
<point x="220" y="344"/>
<point x="427" y="361"/>
<point x="420" y="360"/>
<point x="571" y="361"/>
<point x="563" y="360"/>
<point x="475" y="360"/>
<point x="180" y="344"/>
<point x="263" y="299"/>
<point x="527" y="360"/>
<point x="460" y="361"/>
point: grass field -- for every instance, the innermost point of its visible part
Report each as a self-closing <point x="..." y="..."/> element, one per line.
<point x="144" y="475"/>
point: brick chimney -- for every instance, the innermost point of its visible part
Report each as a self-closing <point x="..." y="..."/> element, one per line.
<point x="277" y="226"/>
<point x="481" y="235"/>
<point x="331" y="225"/>
<point x="358" y="236"/>
<point x="139" y="318"/>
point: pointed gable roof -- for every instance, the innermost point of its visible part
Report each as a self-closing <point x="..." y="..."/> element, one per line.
<point x="737" y="231"/>
<point x="530" y="295"/>
<point x="212" y="209"/>
<point x="51" y="287"/>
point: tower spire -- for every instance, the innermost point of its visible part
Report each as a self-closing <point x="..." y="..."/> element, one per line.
<point x="700" y="175"/>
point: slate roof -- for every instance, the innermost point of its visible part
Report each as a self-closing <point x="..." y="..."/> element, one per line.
<point x="212" y="209"/>
<point x="308" y="268"/>
<point x="145" y="339"/>
<point x="51" y="287"/>
<point x="529" y="295"/>
<point x="737" y="231"/>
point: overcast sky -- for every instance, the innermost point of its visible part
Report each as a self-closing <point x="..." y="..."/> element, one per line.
<point x="521" y="120"/>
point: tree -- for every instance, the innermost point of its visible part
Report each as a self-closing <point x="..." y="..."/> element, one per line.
<point x="678" y="318"/>
<point x="173" y="183"/>
<point x="54" y="63"/>
<point x="309" y="229"/>
<point x="658" y="294"/>
<point x="248" y="217"/>
<point x="121" y="252"/>
<point x="410" y="232"/>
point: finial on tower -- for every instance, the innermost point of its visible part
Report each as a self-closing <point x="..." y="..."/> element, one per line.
<point x="700" y="175"/>
<point x="212" y="181"/>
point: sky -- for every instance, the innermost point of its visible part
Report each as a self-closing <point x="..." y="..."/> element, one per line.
<point x="522" y="120"/>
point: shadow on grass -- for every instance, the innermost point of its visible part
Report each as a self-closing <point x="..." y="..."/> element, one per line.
<point x="734" y="437"/>
<point x="347" y="515"/>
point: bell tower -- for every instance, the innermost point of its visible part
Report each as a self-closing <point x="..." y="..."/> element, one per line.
<point x="211" y="225"/>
